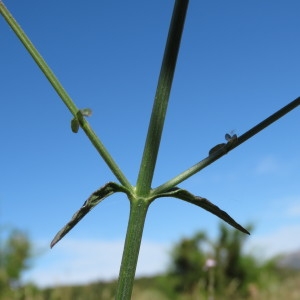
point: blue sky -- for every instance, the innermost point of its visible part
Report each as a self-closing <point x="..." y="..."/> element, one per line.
<point x="238" y="64"/>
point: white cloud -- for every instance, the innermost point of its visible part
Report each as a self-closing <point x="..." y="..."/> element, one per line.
<point x="294" y="209"/>
<point x="283" y="240"/>
<point x="76" y="261"/>
<point x="82" y="261"/>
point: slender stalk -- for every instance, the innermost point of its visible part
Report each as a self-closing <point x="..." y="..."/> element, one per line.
<point x="63" y="95"/>
<point x="267" y="122"/>
<point x="38" y="58"/>
<point x="241" y="139"/>
<point x="139" y="205"/>
<point x="161" y="98"/>
<point x="105" y="154"/>
<point x="138" y="211"/>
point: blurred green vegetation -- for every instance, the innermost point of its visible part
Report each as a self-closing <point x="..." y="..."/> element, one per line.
<point x="160" y="288"/>
<point x="15" y="254"/>
<point x="200" y="269"/>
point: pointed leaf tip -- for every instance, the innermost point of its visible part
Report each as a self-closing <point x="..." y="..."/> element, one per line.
<point x="88" y="205"/>
<point x="205" y="204"/>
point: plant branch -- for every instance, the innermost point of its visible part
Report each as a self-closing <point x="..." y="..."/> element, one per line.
<point x="38" y="58"/>
<point x="161" y="98"/>
<point x="228" y="147"/>
<point x="268" y="121"/>
<point x="63" y="95"/>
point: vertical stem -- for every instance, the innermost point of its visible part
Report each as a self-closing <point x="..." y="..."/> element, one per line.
<point x="139" y="205"/>
<point x="138" y="211"/>
<point x="161" y="98"/>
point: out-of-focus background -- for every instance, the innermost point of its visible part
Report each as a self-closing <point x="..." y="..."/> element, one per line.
<point x="238" y="64"/>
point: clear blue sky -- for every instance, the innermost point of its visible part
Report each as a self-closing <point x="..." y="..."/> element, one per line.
<point x="238" y="63"/>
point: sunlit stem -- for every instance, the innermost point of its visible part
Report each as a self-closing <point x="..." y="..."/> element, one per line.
<point x="38" y="58"/>
<point x="138" y="212"/>
<point x="241" y="139"/>
<point x="63" y="94"/>
<point x="161" y="98"/>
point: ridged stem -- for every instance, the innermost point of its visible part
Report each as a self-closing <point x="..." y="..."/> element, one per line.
<point x="138" y="211"/>
<point x="161" y="98"/>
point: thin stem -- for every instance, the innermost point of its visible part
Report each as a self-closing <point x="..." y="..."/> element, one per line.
<point x="241" y="139"/>
<point x="268" y="121"/>
<point x="38" y="58"/>
<point x="138" y="212"/>
<point x="63" y="95"/>
<point x="161" y="98"/>
<point x="105" y="154"/>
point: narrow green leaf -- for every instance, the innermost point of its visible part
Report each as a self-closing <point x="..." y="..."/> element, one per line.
<point x="203" y="203"/>
<point x="99" y="195"/>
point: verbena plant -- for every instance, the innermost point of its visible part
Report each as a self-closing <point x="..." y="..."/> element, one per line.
<point x="142" y="194"/>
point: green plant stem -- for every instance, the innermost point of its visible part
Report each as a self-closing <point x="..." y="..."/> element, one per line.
<point x="38" y="58"/>
<point x="161" y="98"/>
<point x="241" y="139"/>
<point x="138" y="211"/>
<point x="267" y="122"/>
<point x="63" y="95"/>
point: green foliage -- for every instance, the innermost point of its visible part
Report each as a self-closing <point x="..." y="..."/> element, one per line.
<point x="188" y="262"/>
<point x="15" y="254"/>
<point x="217" y="266"/>
<point x="160" y="288"/>
<point x="232" y="264"/>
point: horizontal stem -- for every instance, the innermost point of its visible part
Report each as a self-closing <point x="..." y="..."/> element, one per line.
<point x="241" y="139"/>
